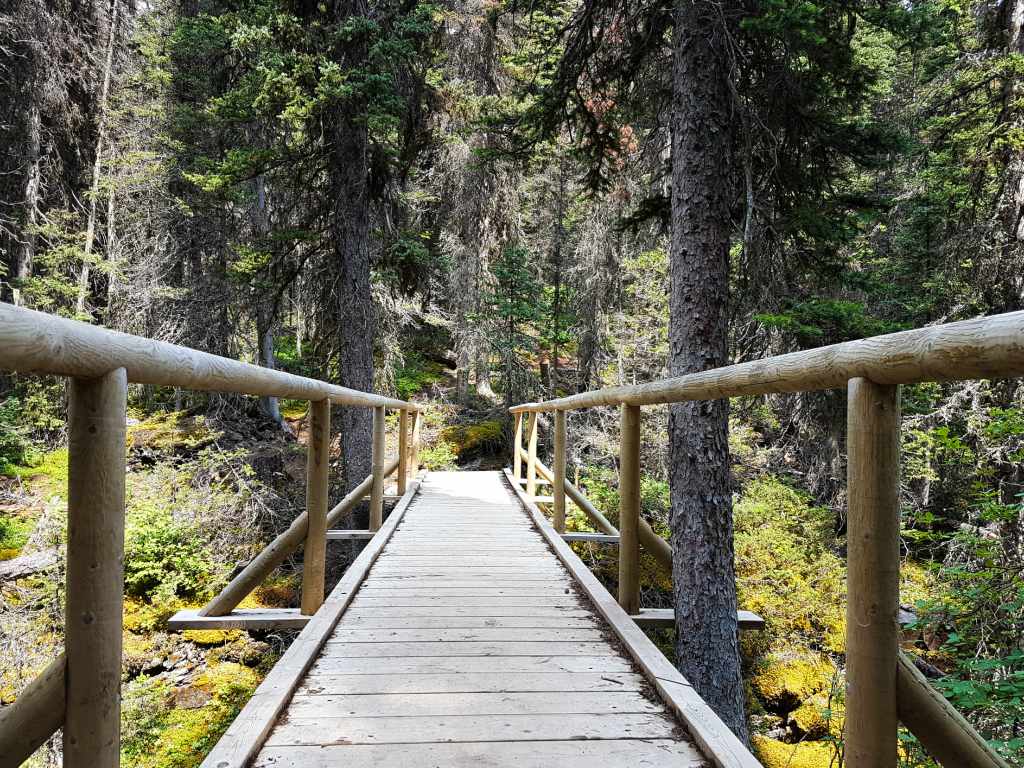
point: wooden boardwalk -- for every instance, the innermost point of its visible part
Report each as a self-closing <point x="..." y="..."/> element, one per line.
<point x="469" y="642"/>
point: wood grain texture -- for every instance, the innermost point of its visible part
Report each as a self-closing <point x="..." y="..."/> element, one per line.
<point x="873" y="573"/>
<point x="446" y="644"/>
<point x="35" y="715"/>
<point x="986" y="348"/>
<point x="377" y="473"/>
<point x="946" y="735"/>
<point x="314" y="556"/>
<point x="717" y="742"/>
<point x="95" y="570"/>
<point x="531" y="454"/>
<point x="246" y="735"/>
<point x="252" y="619"/>
<point x="629" y="509"/>
<point x="403" y="451"/>
<point x="653" y="753"/>
<point x="36" y="342"/>
<point x="558" y="482"/>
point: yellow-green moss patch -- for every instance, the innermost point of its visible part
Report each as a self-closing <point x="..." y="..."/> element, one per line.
<point x="783" y="684"/>
<point x="806" y="754"/>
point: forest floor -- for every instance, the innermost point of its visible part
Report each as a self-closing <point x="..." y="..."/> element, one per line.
<point x="206" y="494"/>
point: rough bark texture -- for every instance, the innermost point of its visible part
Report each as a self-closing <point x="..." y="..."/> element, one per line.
<point x="350" y="229"/>
<point x="702" y="532"/>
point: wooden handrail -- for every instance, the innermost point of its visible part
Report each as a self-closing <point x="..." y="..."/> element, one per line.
<point x="34" y="342"/>
<point x="987" y="348"/>
<point x="81" y="691"/>
<point x="881" y="687"/>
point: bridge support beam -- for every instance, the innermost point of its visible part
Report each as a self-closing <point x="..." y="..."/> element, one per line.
<point x="531" y="455"/>
<point x="559" y="481"/>
<point x="403" y="451"/>
<point x="317" y="462"/>
<point x="629" y="510"/>
<point x="517" y="459"/>
<point x="95" y="570"/>
<point x="873" y="567"/>
<point x="377" y="490"/>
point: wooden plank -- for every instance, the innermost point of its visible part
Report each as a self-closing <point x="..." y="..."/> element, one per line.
<point x="591" y="538"/>
<point x="602" y="663"/>
<point x="492" y="611"/>
<point x="430" y="584"/>
<point x="377" y="470"/>
<point x="481" y="634"/>
<point x="326" y="706"/>
<point x="475" y="682"/>
<point x="338" y="534"/>
<point x="665" y="618"/>
<point x="653" y="753"/>
<point x="716" y="741"/>
<point x="246" y="735"/>
<point x="406" y="650"/>
<point x="258" y="619"/>
<point x="467" y="601"/>
<point x="404" y="621"/>
<point x="558" y="485"/>
<point x="469" y="590"/>
<point x="426" y="730"/>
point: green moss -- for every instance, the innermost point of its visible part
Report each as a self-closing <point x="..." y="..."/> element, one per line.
<point x="47" y="474"/>
<point x="158" y="735"/>
<point x="211" y="637"/>
<point x="787" y="570"/>
<point x="484" y="437"/>
<point x="170" y="432"/>
<point x="416" y="374"/>
<point x="806" y="754"/>
<point x="783" y="684"/>
<point x="818" y="718"/>
<point x="439" y="457"/>
<point x="293" y="409"/>
<point x="14" y="533"/>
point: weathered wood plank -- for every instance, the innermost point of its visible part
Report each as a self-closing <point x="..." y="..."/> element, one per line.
<point x="715" y="739"/>
<point x="428" y="729"/>
<point x="602" y="663"/>
<point x="406" y="650"/>
<point x="324" y="706"/>
<point x="492" y="611"/>
<point x="468" y="590"/>
<point x="246" y="735"/>
<point x="403" y="621"/>
<point x="466" y="601"/>
<point x="473" y="682"/>
<point x="241" y="618"/>
<point x="481" y="634"/>
<point x="654" y="753"/>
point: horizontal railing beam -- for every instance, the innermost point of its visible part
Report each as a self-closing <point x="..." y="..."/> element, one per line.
<point x="35" y="715"/>
<point x="986" y="348"/>
<point x="946" y="735"/>
<point x="35" y="342"/>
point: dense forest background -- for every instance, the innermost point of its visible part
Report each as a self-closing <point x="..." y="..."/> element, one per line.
<point x="469" y="204"/>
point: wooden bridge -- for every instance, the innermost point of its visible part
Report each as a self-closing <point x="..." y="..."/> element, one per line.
<point x="467" y="632"/>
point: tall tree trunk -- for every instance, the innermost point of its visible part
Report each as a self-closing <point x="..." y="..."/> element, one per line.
<point x="26" y="246"/>
<point x="350" y="229"/>
<point x="97" y="164"/>
<point x="704" y="587"/>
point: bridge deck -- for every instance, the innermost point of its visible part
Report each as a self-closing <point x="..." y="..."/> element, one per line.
<point x="469" y="643"/>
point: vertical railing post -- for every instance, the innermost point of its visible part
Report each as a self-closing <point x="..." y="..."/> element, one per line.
<point x="414" y="462"/>
<point x="377" y="489"/>
<point x="95" y="570"/>
<point x="873" y="562"/>
<point x="629" y="510"/>
<point x="403" y="451"/>
<point x="558" y="481"/>
<point x="531" y="458"/>
<point x="517" y="459"/>
<point x="314" y="556"/>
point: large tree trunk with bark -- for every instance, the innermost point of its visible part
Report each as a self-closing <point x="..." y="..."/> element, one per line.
<point x="702" y="532"/>
<point x="350" y="229"/>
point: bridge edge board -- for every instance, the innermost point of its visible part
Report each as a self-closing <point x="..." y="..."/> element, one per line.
<point x="719" y="744"/>
<point x="244" y="738"/>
